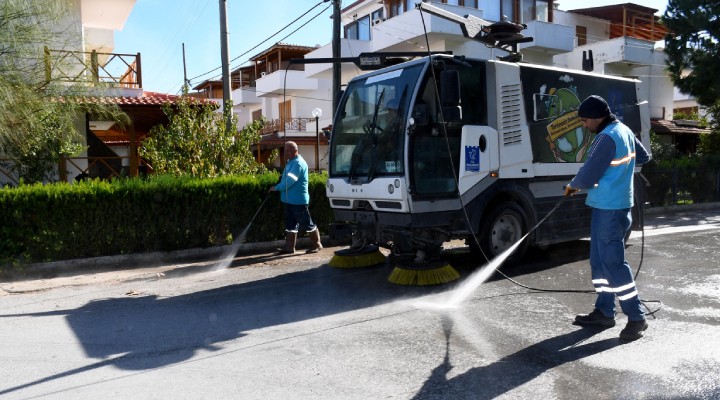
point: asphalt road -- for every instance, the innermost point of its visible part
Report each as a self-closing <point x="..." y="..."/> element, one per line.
<point x="268" y="327"/>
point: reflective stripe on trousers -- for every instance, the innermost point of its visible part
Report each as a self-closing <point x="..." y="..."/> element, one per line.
<point x="611" y="274"/>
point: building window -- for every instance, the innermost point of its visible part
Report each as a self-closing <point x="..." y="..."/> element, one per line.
<point x="581" y="34"/>
<point x="395" y="8"/>
<point x="543" y="11"/>
<point x="377" y="16"/>
<point x="527" y="10"/>
<point x="508" y="9"/>
<point x="464" y="3"/>
<point x="358" y="30"/>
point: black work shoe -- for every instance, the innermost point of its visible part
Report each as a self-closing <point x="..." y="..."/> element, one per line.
<point x="595" y="318"/>
<point x="633" y="330"/>
<point x="313" y="250"/>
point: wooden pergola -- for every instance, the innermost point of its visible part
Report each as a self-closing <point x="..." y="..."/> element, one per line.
<point x="631" y="20"/>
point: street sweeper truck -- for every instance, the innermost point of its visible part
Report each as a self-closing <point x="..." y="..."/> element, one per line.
<point x="446" y="147"/>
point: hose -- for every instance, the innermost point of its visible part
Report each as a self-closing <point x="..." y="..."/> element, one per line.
<point x="642" y="251"/>
<point x="243" y="234"/>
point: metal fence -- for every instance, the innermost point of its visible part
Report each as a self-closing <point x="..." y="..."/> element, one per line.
<point x="676" y="186"/>
<point x="288" y="124"/>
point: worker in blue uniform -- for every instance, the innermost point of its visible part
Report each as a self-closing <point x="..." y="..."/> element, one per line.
<point x="607" y="177"/>
<point x="293" y="188"/>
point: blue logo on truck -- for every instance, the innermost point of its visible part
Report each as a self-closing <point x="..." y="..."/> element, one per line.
<point x="472" y="158"/>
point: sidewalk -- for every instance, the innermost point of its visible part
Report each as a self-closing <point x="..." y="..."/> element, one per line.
<point x="153" y="266"/>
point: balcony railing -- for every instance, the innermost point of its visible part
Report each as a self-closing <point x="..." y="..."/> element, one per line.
<point x="290" y="124"/>
<point x="113" y="69"/>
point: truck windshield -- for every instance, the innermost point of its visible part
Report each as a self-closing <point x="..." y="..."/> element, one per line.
<point x="369" y="136"/>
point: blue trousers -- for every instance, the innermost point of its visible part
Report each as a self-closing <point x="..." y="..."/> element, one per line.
<point x="611" y="274"/>
<point x="297" y="217"/>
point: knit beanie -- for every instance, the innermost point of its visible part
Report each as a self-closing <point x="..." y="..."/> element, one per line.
<point x="594" y="107"/>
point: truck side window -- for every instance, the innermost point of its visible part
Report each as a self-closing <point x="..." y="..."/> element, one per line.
<point x="432" y="169"/>
<point x="435" y="151"/>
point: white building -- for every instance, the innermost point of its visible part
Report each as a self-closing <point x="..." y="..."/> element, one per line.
<point x="279" y="90"/>
<point x="81" y="53"/>
<point x="620" y="39"/>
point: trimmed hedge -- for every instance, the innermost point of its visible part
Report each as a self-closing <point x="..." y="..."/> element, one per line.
<point x="40" y="223"/>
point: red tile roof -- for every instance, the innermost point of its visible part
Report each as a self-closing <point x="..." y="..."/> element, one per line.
<point x="147" y="99"/>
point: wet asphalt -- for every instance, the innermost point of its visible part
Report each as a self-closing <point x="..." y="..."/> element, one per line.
<point x="268" y="327"/>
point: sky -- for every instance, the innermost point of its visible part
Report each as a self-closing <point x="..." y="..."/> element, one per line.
<point x="158" y="28"/>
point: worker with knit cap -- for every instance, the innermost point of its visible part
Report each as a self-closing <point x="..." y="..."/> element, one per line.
<point x="607" y="177"/>
<point x="293" y="188"/>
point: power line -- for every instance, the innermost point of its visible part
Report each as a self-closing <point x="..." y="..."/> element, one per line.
<point x="269" y="37"/>
<point x="288" y="35"/>
<point x="193" y="13"/>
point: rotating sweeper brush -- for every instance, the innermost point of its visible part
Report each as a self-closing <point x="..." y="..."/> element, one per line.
<point x="365" y="256"/>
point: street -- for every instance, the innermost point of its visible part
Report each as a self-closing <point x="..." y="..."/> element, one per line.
<point x="270" y="327"/>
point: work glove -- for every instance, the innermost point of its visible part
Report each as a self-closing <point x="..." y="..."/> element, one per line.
<point x="569" y="191"/>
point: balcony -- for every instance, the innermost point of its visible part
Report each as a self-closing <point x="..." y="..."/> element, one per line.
<point x="347" y="47"/>
<point x="277" y="82"/>
<point x="245" y="95"/>
<point x="549" y="37"/>
<point x="622" y="50"/>
<point x="109" y="70"/>
<point x="288" y="125"/>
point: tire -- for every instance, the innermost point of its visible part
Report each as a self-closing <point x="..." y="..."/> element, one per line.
<point x="501" y="228"/>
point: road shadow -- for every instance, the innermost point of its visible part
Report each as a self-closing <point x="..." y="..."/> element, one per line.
<point x="146" y="331"/>
<point x="141" y="332"/>
<point x="512" y="371"/>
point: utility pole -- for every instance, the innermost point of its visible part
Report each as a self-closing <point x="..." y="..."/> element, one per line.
<point x="225" y="55"/>
<point x="185" y="81"/>
<point x="336" y="54"/>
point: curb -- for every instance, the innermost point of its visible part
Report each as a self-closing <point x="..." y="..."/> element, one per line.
<point x="682" y="208"/>
<point x="142" y="260"/>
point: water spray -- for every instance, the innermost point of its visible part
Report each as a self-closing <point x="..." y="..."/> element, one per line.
<point x="241" y="238"/>
<point x="481" y="276"/>
<point x="463" y="291"/>
<point x="228" y="256"/>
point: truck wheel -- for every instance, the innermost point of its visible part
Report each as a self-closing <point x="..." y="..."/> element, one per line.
<point x="503" y="226"/>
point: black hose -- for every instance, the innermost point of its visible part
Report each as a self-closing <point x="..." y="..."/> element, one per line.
<point x="642" y="250"/>
<point x="243" y="234"/>
<point x="562" y="200"/>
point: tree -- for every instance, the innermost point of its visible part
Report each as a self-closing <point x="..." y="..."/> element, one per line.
<point x="693" y="47"/>
<point x="710" y="144"/>
<point x="40" y="119"/>
<point x="197" y="142"/>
